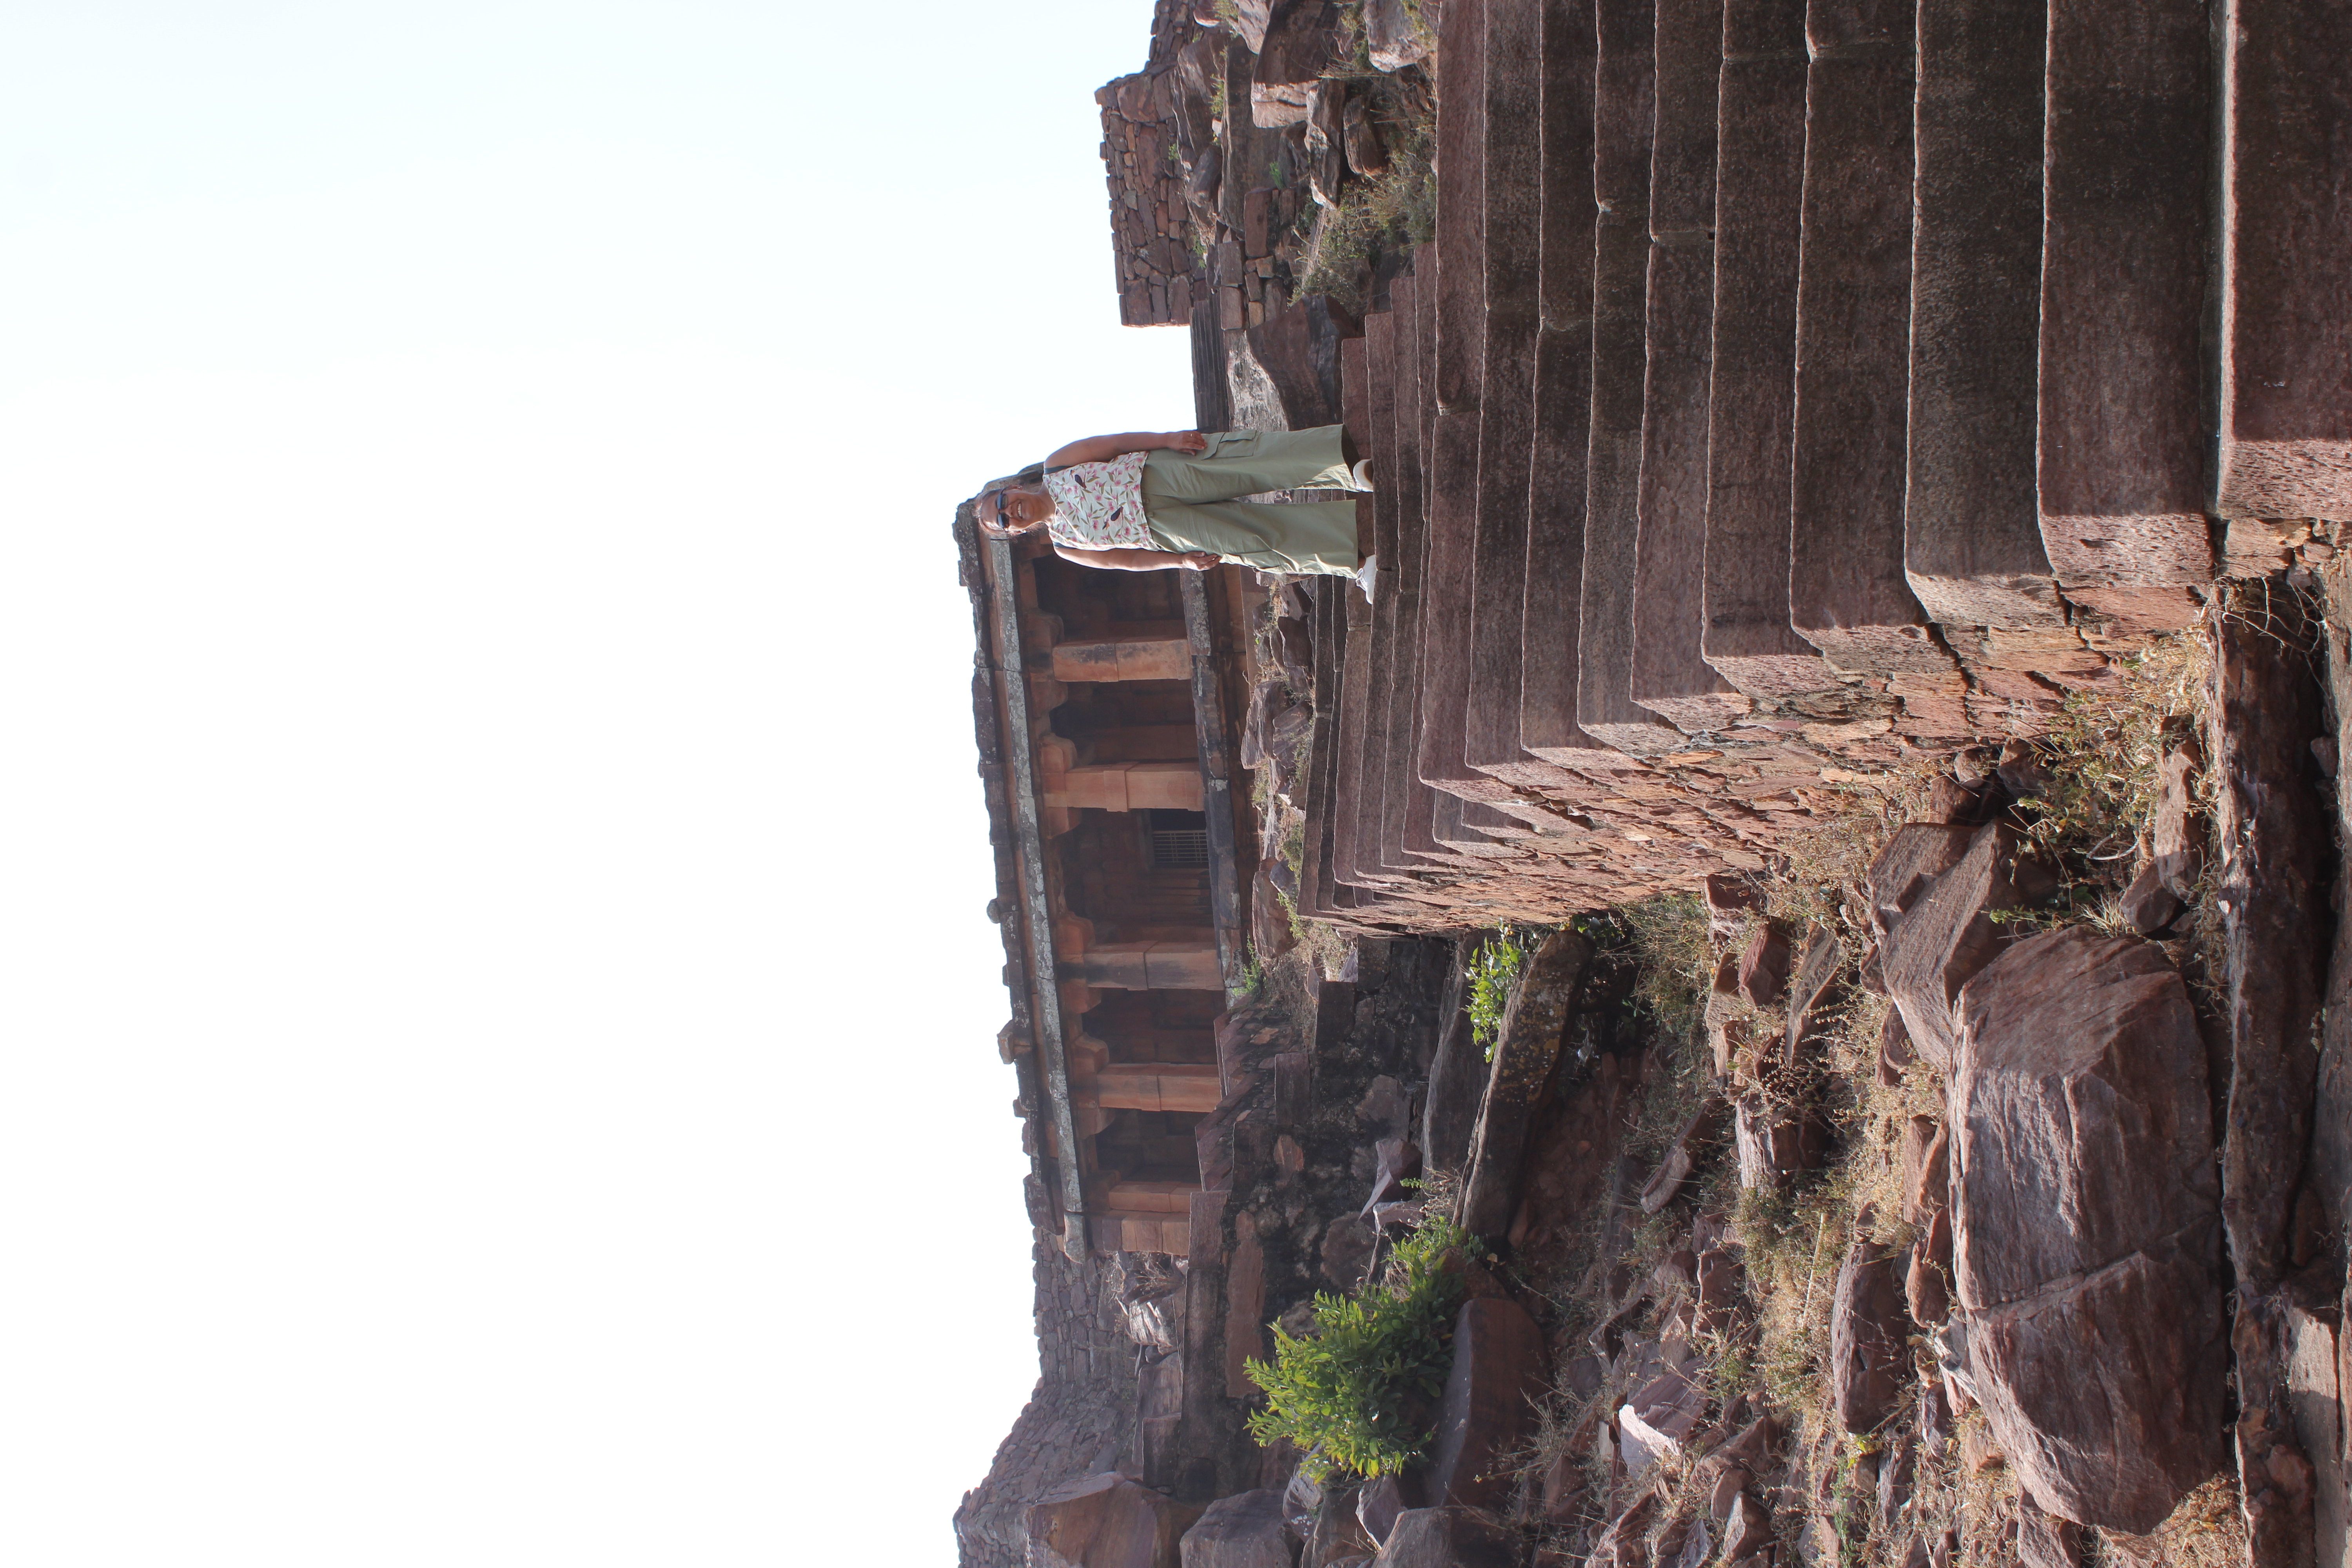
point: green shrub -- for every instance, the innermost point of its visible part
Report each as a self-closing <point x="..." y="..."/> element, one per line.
<point x="1494" y="971"/>
<point x="1356" y="1394"/>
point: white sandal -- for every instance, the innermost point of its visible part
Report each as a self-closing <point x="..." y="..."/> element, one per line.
<point x="1367" y="574"/>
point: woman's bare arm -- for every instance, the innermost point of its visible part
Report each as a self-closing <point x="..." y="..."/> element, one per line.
<point x="1103" y="448"/>
<point x="1135" y="559"/>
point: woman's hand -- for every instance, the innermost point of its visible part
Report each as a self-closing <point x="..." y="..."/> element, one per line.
<point x="1190" y="442"/>
<point x="1199" y="561"/>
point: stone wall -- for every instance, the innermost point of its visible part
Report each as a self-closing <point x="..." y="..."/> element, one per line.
<point x="1158" y="153"/>
<point x="1081" y="1414"/>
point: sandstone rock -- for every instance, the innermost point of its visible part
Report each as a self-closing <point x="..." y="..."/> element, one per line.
<point x="1564" y="1489"/>
<point x="1623" y="1544"/>
<point x="1360" y="139"/>
<point x="1917" y="854"/>
<point x="1682" y="1155"/>
<point x="1815" y="993"/>
<point x="1925" y="1293"/>
<point x="1377" y="1504"/>
<point x="1300" y="38"/>
<point x="1944" y="938"/>
<point x="1448" y="1538"/>
<point x="1926" y="1169"/>
<point x="2148" y="904"/>
<point x="1776" y="1140"/>
<point x="1487" y="1409"/>
<point x="1895" y="1052"/>
<point x="1246" y="1531"/>
<point x="2044" y="1541"/>
<point x="1457" y="1080"/>
<point x="1730" y="899"/>
<point x="2021" y="773"/>
<point x="1526" y="1047"/>
<point x="1729" y="1483"/>
<point x="1764" y="966"/>
<point x="1107" y="1521"/>
<point x="1719" y="1277"/>
<point x="1980" y="1449"/>
<point x="1867" y="1356"/>
<point x="2085" y="1250"/>
<point x="1748" y="1530"/>
<point x="1393" y="39"/>
<point x="2176" y="842"/>
<point x="1895" y="1481"/>
<point x="1397" y="1162"/>
<point x="1337" y="1534"/>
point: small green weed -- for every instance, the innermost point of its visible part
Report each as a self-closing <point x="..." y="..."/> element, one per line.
<point x="1356" y="1394"/>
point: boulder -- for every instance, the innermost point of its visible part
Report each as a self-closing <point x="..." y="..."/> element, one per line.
<point x="2044" y="1541"/>
<point x="1457" y="1080"/>
<point x="1868" y="1360"/>
<point x="1526" y="1044"/>
<point x="1917" y="854"/>
<point x="1682" y="1155"/>
<point x="1764" y="966"/>
<point x="2176" y="843"/>
<point x="1814" y="995"/>
<point x="1300" y="38"/>
<point x="1720" y="1278"/>
<point x="1246" y="1531"/>
<point x="1774" y="1140"/>
<point x="1944" y="938"/>
<point x="1107" y="1521"/>
<point x="1378" y="1503"/>
<point x="2086" y="1249"/>
<point x="1730" y="899"/>
<point x="1624" y="1543"/>
<point x="1895" y="1052"/>
<point x="1926" y="1169"/>
<point x="2146" y="904"/>
<point x="1393" y="38"/>
<point x="1925" y="1292"/>
<point x="1748" y="1530"/>
<point x="1487" y="1409"/>
<point x="1448" y="1538"/>
<point x="1396" y="1162"/>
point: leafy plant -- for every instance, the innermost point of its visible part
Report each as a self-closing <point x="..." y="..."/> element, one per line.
<point x="1494" y="974"/>
<point x="1355" y="1393"/>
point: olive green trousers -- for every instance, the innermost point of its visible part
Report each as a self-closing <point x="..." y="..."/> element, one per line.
<point x="1188" y="501"/>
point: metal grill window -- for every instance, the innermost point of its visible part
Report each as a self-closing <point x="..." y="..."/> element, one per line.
<point x="1179" y="846"/>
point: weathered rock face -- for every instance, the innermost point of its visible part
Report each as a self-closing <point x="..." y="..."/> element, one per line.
<point x="1448" y="1538"/>
<point x="1867" y="1356"/>
<point x="2086" y="1241"/>
<point x="1944" y="938"/>
<point x="1107" y="1521"/>
<point x="1764" y="966"/>
<point x="1524" y="1049"/>
<point x="1245" y="1531"/>
<point x="1487" y="1411"/>
<point x="1917" y="854"/>
<point x="1776" y="1140"/>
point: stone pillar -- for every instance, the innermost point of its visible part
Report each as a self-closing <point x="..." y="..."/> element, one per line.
<point x="1188" y="964"/>
<point x="1156" y="658"/>
<point x="1125" y="786"/>
<point x="1191" y="1087"/>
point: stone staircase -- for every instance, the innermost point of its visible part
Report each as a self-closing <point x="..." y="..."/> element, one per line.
<point x="1798" y="394"/>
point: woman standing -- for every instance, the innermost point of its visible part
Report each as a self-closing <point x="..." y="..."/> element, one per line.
<point x="1143" y="503"/>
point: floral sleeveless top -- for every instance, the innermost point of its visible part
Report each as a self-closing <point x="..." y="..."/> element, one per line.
<point x="1099" y="506"/>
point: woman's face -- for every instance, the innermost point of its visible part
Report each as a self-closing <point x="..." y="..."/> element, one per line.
<point x="1026" y="508"/>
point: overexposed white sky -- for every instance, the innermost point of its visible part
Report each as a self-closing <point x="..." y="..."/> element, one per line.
<point x="496" y="1019"/>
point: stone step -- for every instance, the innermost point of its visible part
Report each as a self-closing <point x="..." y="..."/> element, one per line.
<point x="1623" y="129"/>
<point x="1403" y="794"/>
<point x="2123" y="428"/>
<point x="1670" y="675"/>
<point x="1847" y="592"/>
<point x="1513" y="209"/>
<point x="2286" y="337"/>
<point x="1423" y="804"/>
<point x="1751" y="395"/>
<point x="1561" y="434"/>
<point x="1317" y="886"/>
<point x="1356" y="782"/>
<point x="1451" y="459"/>
<point x="1972" y="523"/>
